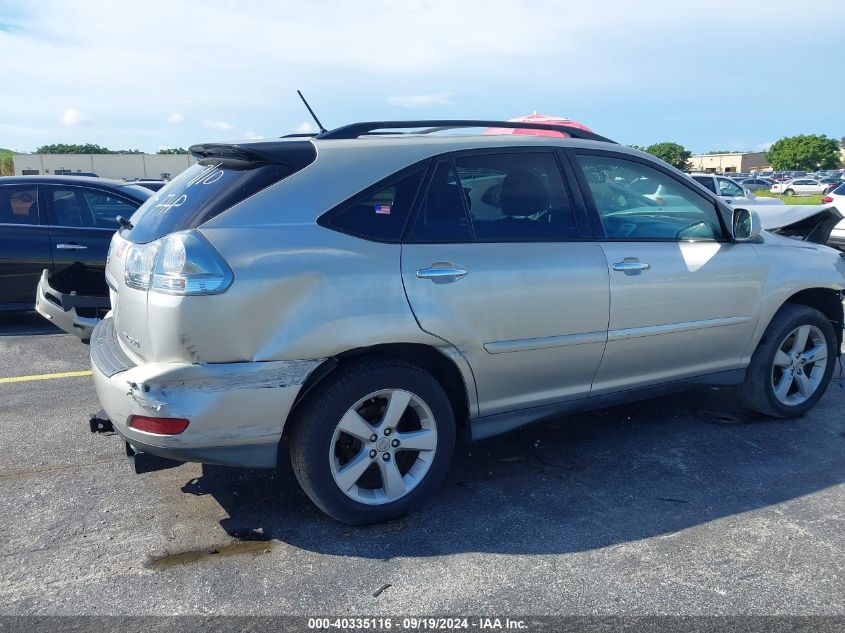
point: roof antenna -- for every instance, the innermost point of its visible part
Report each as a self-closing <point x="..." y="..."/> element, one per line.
<point x="314" y="116"/>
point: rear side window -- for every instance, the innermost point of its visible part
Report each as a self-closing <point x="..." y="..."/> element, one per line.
<point x="19" y="205"/>
<point x="516" y="197"/>
<point x="379" y="213"/>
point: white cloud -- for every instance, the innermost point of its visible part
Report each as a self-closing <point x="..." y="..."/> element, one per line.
<point x="176" y="118"/>
<point x="72" y="117"/>
<point x="422" y="101"/>
<point x="221" y="126"/>
<point x="629" y="87"/>
<point x="253" y="136"/>
<point x="306" y="127"/>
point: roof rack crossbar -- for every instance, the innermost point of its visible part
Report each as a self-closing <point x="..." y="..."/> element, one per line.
<point x="354" y="130"/>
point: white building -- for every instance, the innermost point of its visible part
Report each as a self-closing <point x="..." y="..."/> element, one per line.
<point x="118" y="166"/>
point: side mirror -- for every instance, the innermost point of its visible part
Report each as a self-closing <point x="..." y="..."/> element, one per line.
<point x="746" y="225"/>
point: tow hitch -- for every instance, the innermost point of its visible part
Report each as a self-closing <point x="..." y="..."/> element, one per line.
<point x="100" y="423"/>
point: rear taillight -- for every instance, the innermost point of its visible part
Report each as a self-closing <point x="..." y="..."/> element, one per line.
<point x="159" y="426"/>
<point x="827" y="200"/>
<point x="181" y="263"/>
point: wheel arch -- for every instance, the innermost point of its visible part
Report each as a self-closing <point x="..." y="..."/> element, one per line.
<point x="459" y="386"/>
<point x="826" y="301"/>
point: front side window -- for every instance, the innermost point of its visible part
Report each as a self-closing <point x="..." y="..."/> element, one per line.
<point x="69" y="208"/>
<point x="729" y="188"/>
<point x="19" y="205"/>
<point x="707" y="181"/>
<point x="381" y="214"/>
<point x="516" y="197"/>
<point x="106" y="207"/>
<point x="637" y="202"/>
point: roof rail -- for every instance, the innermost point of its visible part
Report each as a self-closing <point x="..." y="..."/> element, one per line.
<point x="354" y="130"/>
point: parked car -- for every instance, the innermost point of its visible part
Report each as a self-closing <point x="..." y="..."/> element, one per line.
<point x="369" y="298"/>
<point x="798" y="187"/>
<point x="756" y="184"/>
<point x="731" y="191"/>
<point x="837" y="198"/>
<point x="54" y="236"/>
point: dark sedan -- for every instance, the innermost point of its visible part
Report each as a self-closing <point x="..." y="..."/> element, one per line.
<point x="54" y="238"/>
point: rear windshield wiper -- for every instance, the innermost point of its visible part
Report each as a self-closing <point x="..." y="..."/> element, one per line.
<point x="124" y="223"/>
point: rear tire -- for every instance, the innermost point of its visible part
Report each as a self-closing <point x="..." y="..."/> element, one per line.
<point x="793" y="363"/>
<point x="789" y="192"/>
<point x="373" y="441"/>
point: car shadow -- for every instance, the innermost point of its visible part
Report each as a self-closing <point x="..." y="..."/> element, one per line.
<point x="25" y="324"/>
<point x="582" y="482"/>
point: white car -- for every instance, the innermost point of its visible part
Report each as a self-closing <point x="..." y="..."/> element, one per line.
<point x="730" y="190"/>
<point x="799" y="187"/>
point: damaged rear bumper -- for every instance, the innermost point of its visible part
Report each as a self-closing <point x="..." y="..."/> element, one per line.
<point x="236" y="410"/>
<point x="62" y="308"/>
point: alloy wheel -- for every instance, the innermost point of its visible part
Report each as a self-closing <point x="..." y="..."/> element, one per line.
<point x="383" y="446"/>
<point x="799" y="365"/>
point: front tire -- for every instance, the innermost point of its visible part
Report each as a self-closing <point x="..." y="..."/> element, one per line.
<point x="373" y="441"/>
<point x="793" y="363"/>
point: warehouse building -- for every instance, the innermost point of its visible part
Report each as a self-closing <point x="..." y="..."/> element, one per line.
<point x="118" y="166"/>
<point x="744" y="162"/>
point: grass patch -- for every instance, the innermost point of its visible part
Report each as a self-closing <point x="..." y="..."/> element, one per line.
<point x="814" y="199"/>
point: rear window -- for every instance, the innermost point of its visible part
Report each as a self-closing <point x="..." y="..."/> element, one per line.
<point x="840" y="190"/>
<point x="199" y="193"/>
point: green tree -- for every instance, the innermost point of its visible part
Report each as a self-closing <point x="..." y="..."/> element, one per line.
<point x="7" y="165"/>
<point x="672" y="153"/>
<point x="172" y="150"/>
<point x="65" y="148"/>
<point x="806" y="152"/>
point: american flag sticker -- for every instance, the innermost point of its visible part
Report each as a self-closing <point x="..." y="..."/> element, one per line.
<point x="383" y="209"/>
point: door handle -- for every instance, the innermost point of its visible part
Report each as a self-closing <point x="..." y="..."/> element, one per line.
<point x="71" y="247"/>
<point x="441" y="273"/>
<point x="628" y="266"/>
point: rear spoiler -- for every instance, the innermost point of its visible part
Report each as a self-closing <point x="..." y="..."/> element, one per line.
<point x="296" y="154"/>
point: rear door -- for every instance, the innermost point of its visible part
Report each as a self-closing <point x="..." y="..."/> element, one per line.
<point x="684" y="298"/>
<point x="82" y="224"/>
<point x="24" y="244"/>
<point x="497" y="264"/>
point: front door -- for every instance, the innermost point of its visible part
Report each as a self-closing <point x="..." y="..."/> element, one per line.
<point x="684" y="298"/>
<point x="83" y="221"/>
<point x="24" y="245"/>
<point x="495" y="265"/>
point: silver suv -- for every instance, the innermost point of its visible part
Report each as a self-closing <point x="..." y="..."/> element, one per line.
<point x="364" y="299"/>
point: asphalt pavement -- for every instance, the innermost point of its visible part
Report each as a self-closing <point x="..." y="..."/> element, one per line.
<point x="679" y="505"/>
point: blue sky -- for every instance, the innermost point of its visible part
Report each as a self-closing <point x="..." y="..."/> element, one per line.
<point x="162" y="74"/>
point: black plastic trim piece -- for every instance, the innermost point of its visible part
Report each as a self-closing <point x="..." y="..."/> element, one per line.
<point x="496" y="424"/>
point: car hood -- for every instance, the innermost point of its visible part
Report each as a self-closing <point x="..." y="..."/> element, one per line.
<point x="812" y="223"/>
